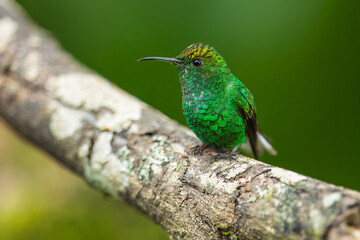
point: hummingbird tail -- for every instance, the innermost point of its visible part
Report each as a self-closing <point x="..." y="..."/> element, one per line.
<point x="263" y="145"/>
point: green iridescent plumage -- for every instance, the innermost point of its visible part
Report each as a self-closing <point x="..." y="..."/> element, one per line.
<point x="217" y="106"/>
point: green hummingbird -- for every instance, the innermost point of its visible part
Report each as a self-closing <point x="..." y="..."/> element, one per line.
<point x="217" y="106"/>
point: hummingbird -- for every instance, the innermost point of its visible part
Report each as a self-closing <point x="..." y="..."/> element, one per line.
<point x="217" y="106"/>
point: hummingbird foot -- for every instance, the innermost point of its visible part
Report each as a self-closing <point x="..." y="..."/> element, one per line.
<point x="231" y="155"/>
<point x="198" y="149"/>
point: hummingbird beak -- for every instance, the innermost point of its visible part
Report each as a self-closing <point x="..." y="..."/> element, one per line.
<point x="171" y="60"/>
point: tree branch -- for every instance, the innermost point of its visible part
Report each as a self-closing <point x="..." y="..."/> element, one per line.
<point x="128" y="150"/>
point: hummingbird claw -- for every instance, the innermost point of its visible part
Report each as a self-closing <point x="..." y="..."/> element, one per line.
<point x="230" y="155"/>
<point x="198" y="149"/>
<point x="195" y="150"/>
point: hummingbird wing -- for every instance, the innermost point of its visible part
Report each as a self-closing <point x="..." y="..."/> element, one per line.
<point x="246" y="110"/>
<point x="263" y="144"/>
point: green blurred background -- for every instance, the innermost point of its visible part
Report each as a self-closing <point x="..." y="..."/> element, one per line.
<point x="301" y="60"/>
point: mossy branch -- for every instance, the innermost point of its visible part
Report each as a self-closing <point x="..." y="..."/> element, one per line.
<point x="128" y="150"/>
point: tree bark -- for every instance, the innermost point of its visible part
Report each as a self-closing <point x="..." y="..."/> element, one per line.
<point x="129" y="150"/>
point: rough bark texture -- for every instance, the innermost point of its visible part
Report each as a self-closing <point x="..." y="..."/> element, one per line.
<point x="128" y="150"/>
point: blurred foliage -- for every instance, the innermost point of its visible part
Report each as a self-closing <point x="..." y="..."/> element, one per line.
<point x="300" y="59"/>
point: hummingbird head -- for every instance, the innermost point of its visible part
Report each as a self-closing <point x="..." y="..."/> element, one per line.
<point x="198" y="63"/>
<point x="201" y="59"/>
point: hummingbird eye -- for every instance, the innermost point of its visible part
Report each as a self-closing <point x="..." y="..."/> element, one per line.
<point x="197" y="63"/>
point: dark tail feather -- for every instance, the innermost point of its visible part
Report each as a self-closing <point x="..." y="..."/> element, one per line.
<point x="251" y="131"/>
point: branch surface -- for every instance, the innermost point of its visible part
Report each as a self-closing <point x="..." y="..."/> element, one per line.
<point x="129" y="150"/>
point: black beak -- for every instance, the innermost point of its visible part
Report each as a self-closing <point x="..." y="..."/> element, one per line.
<point x="171" y="60"/>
